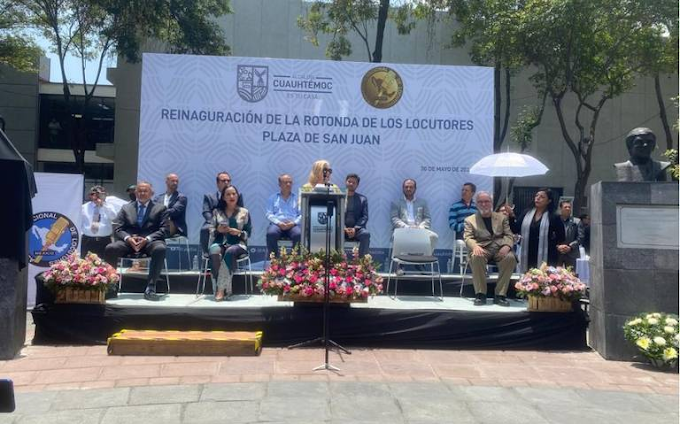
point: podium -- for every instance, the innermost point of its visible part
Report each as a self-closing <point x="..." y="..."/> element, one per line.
<point x="316" y="206"/>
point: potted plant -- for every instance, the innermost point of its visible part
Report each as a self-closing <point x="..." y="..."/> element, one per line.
<point x="300" y="276"/>
<point x="80" y="280"/>
<point x="550" y="289"/>
<point x="656" y="336"/>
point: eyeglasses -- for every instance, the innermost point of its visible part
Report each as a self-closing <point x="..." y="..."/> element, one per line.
<point x="328" y="170"/>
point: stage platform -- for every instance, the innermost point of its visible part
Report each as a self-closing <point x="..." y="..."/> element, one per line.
<point x="185" y="282"/>
<point x="408" y="321"/>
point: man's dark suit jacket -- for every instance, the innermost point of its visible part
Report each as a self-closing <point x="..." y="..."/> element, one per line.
<point x="177" y="210"/>
<point x="360" y="214"/>
<point x="210" y="201"/>
<point x="154" y="226"/>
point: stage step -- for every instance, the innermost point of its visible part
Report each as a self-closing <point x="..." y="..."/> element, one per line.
<point x="185" y="343"/>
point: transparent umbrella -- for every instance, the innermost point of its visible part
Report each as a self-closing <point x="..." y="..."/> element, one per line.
<point x="508" y="165"/>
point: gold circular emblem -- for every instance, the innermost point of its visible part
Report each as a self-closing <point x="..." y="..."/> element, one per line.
<point x="382" y="87"/>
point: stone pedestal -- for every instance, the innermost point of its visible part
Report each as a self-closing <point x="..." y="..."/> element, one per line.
<point x="633" y="259"/>
<point x="12" y="308"/>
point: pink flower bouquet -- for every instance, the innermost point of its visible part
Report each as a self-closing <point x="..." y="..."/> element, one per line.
<point x="549" y="281"/>
<point x="302" y="273"/>
<point x="88" y="273"/>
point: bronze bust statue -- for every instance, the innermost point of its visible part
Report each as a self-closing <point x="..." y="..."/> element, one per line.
<point x="640" y="166"/>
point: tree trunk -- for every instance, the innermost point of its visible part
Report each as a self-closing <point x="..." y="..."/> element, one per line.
<point x="380" y="30"/>
<point x="662" y="112"/>
<point x="580" y="192"/>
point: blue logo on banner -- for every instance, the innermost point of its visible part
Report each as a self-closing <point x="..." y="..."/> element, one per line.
<point x="322" y="218"/>
<point x="53" y="237"/>
<point x="252" y="82"/>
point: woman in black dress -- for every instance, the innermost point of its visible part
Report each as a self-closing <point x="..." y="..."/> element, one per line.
<point x="541" y="231"/>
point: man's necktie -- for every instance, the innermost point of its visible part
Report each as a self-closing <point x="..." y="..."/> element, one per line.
<point x="140" y="215"/>
<point x="96" y="217"/>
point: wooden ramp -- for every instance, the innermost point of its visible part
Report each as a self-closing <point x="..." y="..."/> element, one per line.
<point x="185" y="343"/>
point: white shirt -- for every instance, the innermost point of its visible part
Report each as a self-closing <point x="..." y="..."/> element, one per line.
<point x="106" y="216"/>
<point x="166" y="199"/>
<point x="410" y="211"/>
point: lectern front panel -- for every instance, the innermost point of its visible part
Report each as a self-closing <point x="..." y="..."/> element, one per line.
<point x="318" y="218"/>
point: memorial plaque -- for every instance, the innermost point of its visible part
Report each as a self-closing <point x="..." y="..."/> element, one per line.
<point x="647" y="227"/>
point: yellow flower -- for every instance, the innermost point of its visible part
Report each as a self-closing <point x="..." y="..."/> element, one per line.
<point x="669" y="354"/>
<point x="652" y="321"/>
<point x="636" y="321"/>
<point x="643" y="343"/>
<point x="660" y="341"/>
<point x="671" y="321"/>
<point x="669" y="329"/>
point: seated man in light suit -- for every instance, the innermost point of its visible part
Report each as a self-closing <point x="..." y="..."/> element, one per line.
<point x="141" y="228"/>
<point x="488" y="238"/>
<point x="409" y="212"/>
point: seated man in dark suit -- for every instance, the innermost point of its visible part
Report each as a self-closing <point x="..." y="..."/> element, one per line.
<point x="356" y="215"/>
<point x="176" y="203"/>
<point x="488" y="238"/>
<point x="141" y="228"/>
<point x="210" y="200"/>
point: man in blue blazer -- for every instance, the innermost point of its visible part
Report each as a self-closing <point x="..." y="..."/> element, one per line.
<point x="176" y="204"/>
<point x="141" y="228"/>
<point x="356" y="215"/>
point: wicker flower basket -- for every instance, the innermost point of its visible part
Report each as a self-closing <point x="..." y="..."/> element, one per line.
<point x="317" y="299"/>
<point x="73" y="295"/>
<point x="547" y="304"/>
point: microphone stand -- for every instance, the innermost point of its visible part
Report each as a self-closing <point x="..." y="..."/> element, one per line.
<point x="325" y="339"/>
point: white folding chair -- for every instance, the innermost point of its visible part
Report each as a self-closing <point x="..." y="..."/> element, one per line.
<point x="412" y="246"/>
<point x="204" y="271"/>
<point x="181" y="240"/>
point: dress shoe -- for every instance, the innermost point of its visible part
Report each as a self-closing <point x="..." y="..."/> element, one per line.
<point x="501" y="301"/>
<point x="151" y="295"/>
<point x="480" y="299"/>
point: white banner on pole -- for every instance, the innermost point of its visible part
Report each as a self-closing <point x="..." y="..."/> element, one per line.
<point x="56" y="223"/>
<point x="258" y="118"/>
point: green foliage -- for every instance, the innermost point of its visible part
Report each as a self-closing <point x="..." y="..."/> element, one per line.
<point x="490" y="29"/>
<point x="528" y="119"/>
<point x="95" y="29"/>
<point x="17" y="49"/>
<point x="672" y="156"/>
<point x="656" y="37"/>
<point x="337" y="19"/>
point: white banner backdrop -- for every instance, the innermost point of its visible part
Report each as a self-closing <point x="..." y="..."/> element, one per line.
<point x="56" y="223"/>
<point x="257" y="118"/>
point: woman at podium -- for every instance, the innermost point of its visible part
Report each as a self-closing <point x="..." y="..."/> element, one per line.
<point x="229" y="231"/>
<point x="320" y="175"/>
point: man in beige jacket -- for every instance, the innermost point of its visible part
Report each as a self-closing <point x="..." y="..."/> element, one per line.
<point x="488" y="238"/>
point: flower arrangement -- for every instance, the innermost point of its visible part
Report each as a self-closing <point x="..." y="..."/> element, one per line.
<point x="302" y="273"/>
<point x="656" y="335"/>
<point x="88" y="273"/>
<point x="549" y="281"/>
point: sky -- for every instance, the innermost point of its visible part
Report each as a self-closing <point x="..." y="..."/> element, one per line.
<point x="72" y="66"/>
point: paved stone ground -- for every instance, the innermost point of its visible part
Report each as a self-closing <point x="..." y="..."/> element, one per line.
<point x="82" y="384"/>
